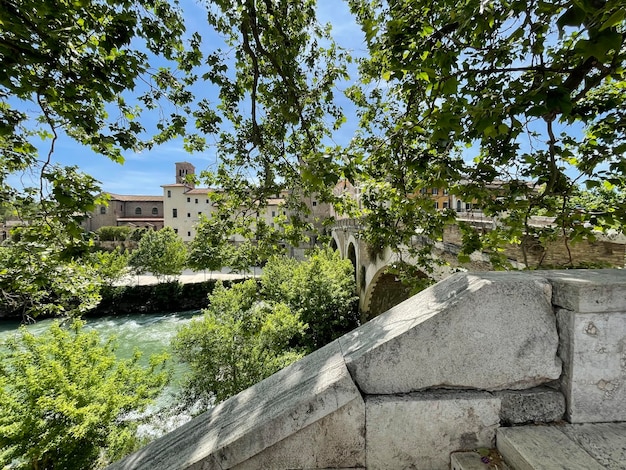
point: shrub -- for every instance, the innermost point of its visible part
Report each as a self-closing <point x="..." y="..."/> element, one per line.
<point x="65" y="399"/>
<point x="239" y="341"/>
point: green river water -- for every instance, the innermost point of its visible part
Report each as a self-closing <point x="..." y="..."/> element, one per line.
<point x="150" y="334"/>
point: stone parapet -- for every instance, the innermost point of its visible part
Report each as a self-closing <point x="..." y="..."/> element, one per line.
<point x="591" y="314"/>
<point x="452" y="335"/>
<point x="447" y="370"/>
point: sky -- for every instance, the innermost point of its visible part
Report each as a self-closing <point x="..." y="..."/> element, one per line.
<point x="145" y="172"/>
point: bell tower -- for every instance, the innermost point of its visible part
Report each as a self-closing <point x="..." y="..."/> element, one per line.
<point x="182" y="170"/>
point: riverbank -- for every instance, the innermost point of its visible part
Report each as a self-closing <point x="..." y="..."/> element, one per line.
<point x="144" y="294"/>
<point x="190" y="277"/>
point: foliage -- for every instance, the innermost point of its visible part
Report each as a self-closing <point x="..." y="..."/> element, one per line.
<point x="277" y="79"/>
<point x="239" y="341"/>
<point x="111" y="266"/>
<point x="321" y="289"/>
<point x="509" y="104"/>
<point x="210" y="247"/>
<point x="603" y="203"/>
<point x="78" y="69"/>
<point x="162" y="253"/>
<point x="113" y="234"/>
<point x="66" y="399"/>
<point x="42" y="274"/>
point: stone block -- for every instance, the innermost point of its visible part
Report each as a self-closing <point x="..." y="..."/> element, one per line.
<point x="605" y="442"/>
<point x="486" y="331"/>
<point x="420" y="430"/>
<point x="536" y="405"/>
<point x="593" y="349"/>
<point x="335" y="441"/>
<point x="473" y="461"/>
<point x="542" y="447"/>
<point x="588" y="290"/>
<point x="289" y="402"/>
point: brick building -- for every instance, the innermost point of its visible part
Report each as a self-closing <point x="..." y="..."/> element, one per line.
<point x="135" y="211"/>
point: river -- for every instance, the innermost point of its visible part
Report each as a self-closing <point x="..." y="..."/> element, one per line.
<point x="150" y="334"/>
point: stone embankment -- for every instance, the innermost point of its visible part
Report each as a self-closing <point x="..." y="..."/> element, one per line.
<point x="469" y="363"/>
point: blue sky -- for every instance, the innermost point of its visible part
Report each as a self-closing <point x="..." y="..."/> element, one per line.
<point x="145" y="172"/>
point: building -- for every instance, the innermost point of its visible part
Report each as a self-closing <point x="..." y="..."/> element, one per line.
<point x="184" y="205"/>
<point x="134" y="211"/>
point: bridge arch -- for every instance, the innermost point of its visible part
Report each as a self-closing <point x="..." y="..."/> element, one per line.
<point x="384" y="291"/>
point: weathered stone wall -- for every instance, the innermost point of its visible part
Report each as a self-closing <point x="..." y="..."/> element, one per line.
<point x="602" y="253"/>
<point x="441" y="372"/>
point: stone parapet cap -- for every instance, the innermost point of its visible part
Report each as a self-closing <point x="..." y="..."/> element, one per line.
<point x="588" y="290"/>
<point x="255" y="419"/>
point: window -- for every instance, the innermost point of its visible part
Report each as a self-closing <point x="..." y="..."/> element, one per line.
<point x="423" y="191"/>
<point x="174" y="213"/>
<point x="468" y="206"/>
<point x="314" y="203"/>
<point x="196" y="201"/>
<point x="199" y="213"/>
<point x="436" y="205"/>
<point x="155" y="211"/>
<point x="175" y="230"/>
<point x="435" y="191"/>
<point x="207" y="201"/>
<point x="188" y="234"/>
<point x="169" y="193"/>
<point x="103" y="209"/>
<point x="188" y="214"/>
<point x="446" y="192"/>
<point x="138" y="211"/>
<point x="458" y="206"/>
<point x="273" y="213"/>
<point x="188" y="199"/>
<point x="445" y="205"/>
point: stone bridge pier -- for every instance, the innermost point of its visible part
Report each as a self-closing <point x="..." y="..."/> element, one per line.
<point x="377" y="288"/>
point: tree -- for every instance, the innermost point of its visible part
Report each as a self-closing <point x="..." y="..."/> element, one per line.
<point x="210" y="248"/>
<point x="111" y="266"/>
<point x="239" y="341"/>
<point x="80" y="69"/>
<point x="511" y="105"/>
<point x="320" y="289"/>
<point x="162" y="253"/>
<point x="42" y="273"/>
<point x="66" y="399"/>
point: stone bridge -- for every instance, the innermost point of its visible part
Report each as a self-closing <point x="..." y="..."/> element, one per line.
<point x="379" y="289"/>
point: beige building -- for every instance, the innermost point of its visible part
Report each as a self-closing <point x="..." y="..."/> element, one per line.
<point x="135" y="211"/>
<point x="184" y="205"/>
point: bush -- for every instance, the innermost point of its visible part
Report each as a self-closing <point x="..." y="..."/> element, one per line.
<point x="320" y="289"/>
<point x="114" y="234"/>
<point x="247" y="333"/>
<point x="238" y="342"/>
<point x="66" y="399"/>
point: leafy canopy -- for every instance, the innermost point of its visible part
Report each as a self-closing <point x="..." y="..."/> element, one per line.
<point x="239" y="341"/>
<point x="249" y="331"/>
<point x="510" y="105"/>
<point x="66" y="399"/>
<point x="162" y="253"/>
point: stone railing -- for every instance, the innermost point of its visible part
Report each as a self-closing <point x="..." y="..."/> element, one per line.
<point x="439" y="373"/>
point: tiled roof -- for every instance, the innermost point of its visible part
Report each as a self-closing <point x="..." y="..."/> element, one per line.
<point x="140" y="219"/>
<point x="132" y="198"/>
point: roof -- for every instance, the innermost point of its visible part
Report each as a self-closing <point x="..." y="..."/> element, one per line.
<point x="200" y="191"/>
<point x="133" y="198"/>
<point x="140" y="219"/>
